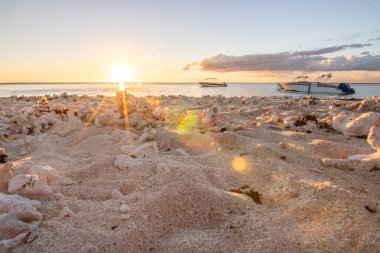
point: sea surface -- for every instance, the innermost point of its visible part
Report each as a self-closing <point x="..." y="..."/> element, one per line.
<point x="188" y="89"/>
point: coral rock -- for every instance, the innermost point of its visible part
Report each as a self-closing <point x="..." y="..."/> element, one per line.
<point x="145" y="137"/>
<point x="361" y="162"/>
<point x="65" y="212"/>
<point x="358" y="126"/>
<point x="117" y="195"/>
<point x="127" y="149"/>
<point x="106" y="118"/>
<point x="147" y="149"/>
<point x="18" y="217"/>
<point x="28" y="185"/>
<point x="124" y="162"/>
<point x="159" y="113"/>
<point x="124" y="208"/>
<point x="60" y="108"/>
<point x="5" y="175"/>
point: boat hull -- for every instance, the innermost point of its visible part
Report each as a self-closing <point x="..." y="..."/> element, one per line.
<point x="309" y="87"/>
<point x="209" y="84"/>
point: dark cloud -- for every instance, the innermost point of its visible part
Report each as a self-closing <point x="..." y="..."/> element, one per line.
<point x="311" y="60"/>
<point x="375" y="39"/>
<point x="333" y="49"/>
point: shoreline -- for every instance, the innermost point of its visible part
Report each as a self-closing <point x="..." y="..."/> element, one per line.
<point x="191" y="174"/>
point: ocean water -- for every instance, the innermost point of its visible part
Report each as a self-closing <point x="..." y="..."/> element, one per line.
<point x="188" y="89"/>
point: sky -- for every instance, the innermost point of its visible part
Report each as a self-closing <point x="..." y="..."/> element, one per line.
<point x="187" y="41"/>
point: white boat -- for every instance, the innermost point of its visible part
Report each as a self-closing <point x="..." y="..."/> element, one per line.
<point x="318" y="86"/>
<point x="212" y="82"/>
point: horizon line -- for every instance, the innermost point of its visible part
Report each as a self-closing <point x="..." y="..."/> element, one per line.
<point x="2" y="83"/>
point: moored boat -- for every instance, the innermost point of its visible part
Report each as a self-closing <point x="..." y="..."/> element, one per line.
<point x="318" y="86"/>
<point x="212" y="82"/>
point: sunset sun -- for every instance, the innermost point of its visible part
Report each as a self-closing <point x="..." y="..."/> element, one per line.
<point x="121" y="74"/>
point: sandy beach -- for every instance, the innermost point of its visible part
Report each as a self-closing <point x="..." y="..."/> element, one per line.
<point x="184" y="174"/>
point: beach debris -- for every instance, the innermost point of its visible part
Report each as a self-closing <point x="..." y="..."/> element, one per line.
<point x="65" y="212"/>
<point x="159" y="113"/>
<point x="361" y="162"/>
<point x="18" y="218"/>
<point x="246" y="190"/>
<point x="64" y="95"/>
<point x="132" y="104"/>
<point x="27" y="120"/>
<point x="357" y="126"/>
<point x="59" y="195"/>
<point x="106" y="119"/>
<point x="27" y="110"/>
<point x="303" y="121"/>
<point x="145" y="137"/>
<point x="288" y="192"/>
<point x="28" y="185"/>
<point x="117" y="195"/>
<point x="124" y="216"/>
<point x="208" y="116"/>
<point x="366" y="105"/>
<point x="371" y="208"/>
<point x="60" y="108"/>
<point x="127" y="149"/>
<point x="3" y="155"/>
<point x="181" y="151"/>
<point x="147" y="149"/>
<point x="354" y="162"/>
<point x="6" y="174"/>
<point x="123" y="135"/>
<point x="89" y="248"/>
<point x="125" y="162"/>
<point x="251" y="112"/>
<point x="47" y="173"/>
<point x="124" y="208"/>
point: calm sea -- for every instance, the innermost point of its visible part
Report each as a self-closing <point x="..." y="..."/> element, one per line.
<point x="188" y="89"/>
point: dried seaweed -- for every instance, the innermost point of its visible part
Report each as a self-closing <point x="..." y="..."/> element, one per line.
<point x="254" y="195"/>
<point x="303" y="121"/>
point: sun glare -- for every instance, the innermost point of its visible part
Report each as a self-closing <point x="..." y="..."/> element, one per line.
<point x="121" y="74"/>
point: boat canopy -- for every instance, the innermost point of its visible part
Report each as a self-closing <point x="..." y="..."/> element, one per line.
<point x="323" y="78"/>
<point x="301" y="78"/>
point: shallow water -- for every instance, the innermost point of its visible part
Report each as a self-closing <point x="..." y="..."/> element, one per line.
<point x="188" y="89"/>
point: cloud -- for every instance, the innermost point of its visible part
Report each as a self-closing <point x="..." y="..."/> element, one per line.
<point x="311" y="60"/>
<point x="375" y="39"/>
<point x="333" y="49"/>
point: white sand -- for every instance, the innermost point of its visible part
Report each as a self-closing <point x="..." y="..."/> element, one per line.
<point x="181" y="200"/>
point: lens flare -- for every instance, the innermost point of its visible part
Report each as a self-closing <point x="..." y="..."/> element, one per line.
<point x="188" y="134"/>
<point x="240" y="164"/>
<point x="188" y="123"/>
